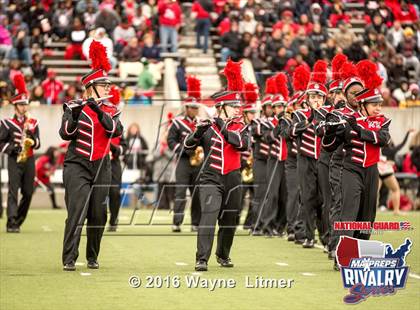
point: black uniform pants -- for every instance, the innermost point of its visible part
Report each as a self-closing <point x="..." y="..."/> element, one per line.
<point x="220" y="202"/>
<point x="1" y="196"/>
<point x="325" y="188"/>
<point x="335" y="178"/>
<point x="292" y="205"/>
<point x="186" y="178"/>
<point x="360" y="191"/>
<point x="115" y="191"/>
<point x="273" y="214"/>
<point x="87" y="187"/>
<point x="246" y="188"/>
<point x="49" y="188"/>
<point x="260" y="184"/>
<point x="21" y="177"/>
<point x="311" y="200"/>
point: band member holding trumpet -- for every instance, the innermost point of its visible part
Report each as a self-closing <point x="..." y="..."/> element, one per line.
<point x="363" y="133"/>
<point x="250" y="96"/>
<point x="273" y="215"/>
<point x="188" y="161"/>
<point x="223" y="138"/>
<point x="19" y="136"/>
<point x="304" y="125"/>
<point x="89" y="124"/>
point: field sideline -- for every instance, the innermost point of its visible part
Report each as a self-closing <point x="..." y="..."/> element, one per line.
<point x="31" y="275"/>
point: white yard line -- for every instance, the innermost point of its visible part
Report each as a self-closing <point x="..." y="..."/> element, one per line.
<point x="181" y="264"/>
<point x="196" y="273"/>
<point x="84" y="274"/>
<point x="282" y="264"/>
<point x="80" y="264"/>
<point x="308" y="274"/>
<point x="46" y="228"/>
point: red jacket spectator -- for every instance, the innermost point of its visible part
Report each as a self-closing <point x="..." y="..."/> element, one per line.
<point x="224" y="26"/>
<point x="199" y="10"/>
<point x="287" y="19"/>
<point x="52" y="88"/>
<point x="44" y="170"/>
<point x="169" y="13"/>
<point x="407" y="15"/>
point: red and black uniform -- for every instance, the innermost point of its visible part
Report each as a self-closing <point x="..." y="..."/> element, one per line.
<point x="273" y="214"/>
<point x="118" y="148"/>
<point x="260" y="151"/>
<point x="292" y="184"/>
<point x="186" y="175"/>
<point x="309" y="147"/>
<point x="21" y="175"/>
<point x="220" y="183"/>
<point x="45" y="168"/>
<point x="87" y="173"/>
<point x="362" y="138"/>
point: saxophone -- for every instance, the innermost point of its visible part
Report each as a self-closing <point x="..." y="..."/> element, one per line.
<point x="26" y="143"/>
<point x="197" y="157"/>
<point x="247" y="173"/>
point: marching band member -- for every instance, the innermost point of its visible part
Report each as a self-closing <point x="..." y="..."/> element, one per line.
<point x="363" y="134"/>
<point x="19" y="136"/>
<point x="273" y="216"/>
<point x="248" y="114"/>
<point x="118" y="147"/>
<point x="88" y="124"/>
<point x="45" y="167"/>
<point x="260" y="153"/>
<point x="309" y="150"/>
<point x="223" y="139"/>
<point x="189" y="162"/>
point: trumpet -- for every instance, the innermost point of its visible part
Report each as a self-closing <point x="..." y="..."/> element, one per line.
<point x="26" y="143"/>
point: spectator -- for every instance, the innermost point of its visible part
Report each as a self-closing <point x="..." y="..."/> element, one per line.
<point x="149" y="9"/>
<point x="406" y="14"/>
<point x="356" y="52"/>
<point x="248" y="24"/>
<point x="107" y="5"/>
<point x="273" y="44"/>
<point x="378" y="24"/>
<point x="385" y="50"/>
<point x="38" y="69"/>
<point x="397" y="72"/>
<point x="306" y="24"/>
<point x="371" y="38"/>
<point x="181" y="75"/>
<point x="76" y="36"/>
<point x="338" y="14"/>
<point x="146" y="83"/>
<point x="123" y="33"/>
<point x="401" y="93"/>
<point x="307" y="56"/>
<point x="21" y="49"/>
<point x="319" y="39"/>
<point x="89" y="16"/>
<point x="107" y="19"/>
<point x="395" y="34"/>
<point x="302" y="7"/>
<point x="260" y="33"/>
<point x="70" y="93"/>
<point x="255" y="53"/>
<point x="84" y="5"/>
<point x="5" y="38"/>
<point x="316" y="15"/>
<point x="52" y="88"/>
<point x="388" y="100"/>
<point x="279" y="61"/>
<point x="287" y="22"/>
<point x="386" y="13"/>
<point x="17" y="25"/>
<point x="409" y="49"/>
<point x="36" y="39"/>
<point x="150" y="50"/>
<point x="331" y="49"/>
<point x="37" y="95"/>
<point x="412" y="99"/>
<point x="230" y="42"/>
<point x="135" y="157"/>
<point x="129" y="8"/>
<point x="344" y="37"/>
<point x="301" y="39"/>
<point x="61" y="19"/>
<point x="263" y="16"/>
<point x="201" y="11"/>
<point x="170" y="21"/>
<point x="132" y="52"/>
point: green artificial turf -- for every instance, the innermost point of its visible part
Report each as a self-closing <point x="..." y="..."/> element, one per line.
<point x="31" y="275"/>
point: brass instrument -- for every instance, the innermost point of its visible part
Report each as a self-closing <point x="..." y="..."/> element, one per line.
<point x="26" y="143"/>
<point x="247" y="173"/>
<point x="197" y="157"/>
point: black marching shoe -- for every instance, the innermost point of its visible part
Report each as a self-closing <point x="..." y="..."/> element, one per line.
<point x="176" y="228"/>
<point x="194" y="228"/>
<point x="14" y="230"/>
<point x="336" y="267"/>
<point x="331" y="255"/>
<point x="308" y="244"/>
<point x="291" y="237"/>
<point x="201" y="265"/>
<point x="299" y="241"/>
<point x="93" y="264"/>
<point x="224" y="262"/>
<point x="69" y="267"/>
<point x="112" y="228"/>
<point x="326" y="251"/>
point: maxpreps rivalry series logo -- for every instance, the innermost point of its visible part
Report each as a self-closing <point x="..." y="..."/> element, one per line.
<point x="371" y="268"/>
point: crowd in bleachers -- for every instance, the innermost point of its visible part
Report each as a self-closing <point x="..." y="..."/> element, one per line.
<point x="279" y="35"/>
<point x="129" y="30"/>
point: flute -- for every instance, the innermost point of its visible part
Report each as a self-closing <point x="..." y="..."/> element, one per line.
<point x="77" y="104"/>
<point x="343" y="121"/>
